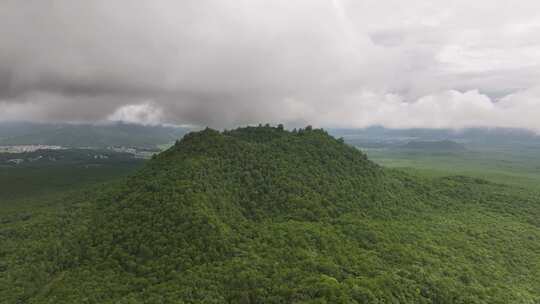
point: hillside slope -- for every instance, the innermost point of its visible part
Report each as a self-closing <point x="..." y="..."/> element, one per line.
<point x="263" y="215"/>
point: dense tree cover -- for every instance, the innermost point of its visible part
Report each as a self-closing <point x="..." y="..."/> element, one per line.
<point x="264" y="215"/>
<point x="46" y="172"/>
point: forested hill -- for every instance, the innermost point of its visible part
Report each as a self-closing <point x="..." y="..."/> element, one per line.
<point x="265" y="215"/>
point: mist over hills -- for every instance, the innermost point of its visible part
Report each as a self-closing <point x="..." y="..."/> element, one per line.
<point x="88" y="135"/>
<point x="473" y="136"/>
<point x="478" y="139"/>
<point x="265" y="215"/>
<point x="129" y="134"/>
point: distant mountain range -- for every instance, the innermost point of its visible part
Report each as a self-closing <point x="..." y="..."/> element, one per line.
<point x="375" y="137"/>
<point x="88" y="135"/>
<point x="134" y="135"/>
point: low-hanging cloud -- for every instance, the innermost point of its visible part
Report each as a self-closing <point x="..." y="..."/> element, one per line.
<point x="447" y="109"/>
<point x="223" y="63"/>
<point x="144" y="113"/>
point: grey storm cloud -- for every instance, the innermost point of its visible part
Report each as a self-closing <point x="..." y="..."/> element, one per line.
<point x="223" y="63"/>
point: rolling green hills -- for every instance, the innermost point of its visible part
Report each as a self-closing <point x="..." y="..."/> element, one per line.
<point x="264" y="215"/>
<point x="507" y="156"/>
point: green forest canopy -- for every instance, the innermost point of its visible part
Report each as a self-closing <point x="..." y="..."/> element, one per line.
<point x="265" y="215"/>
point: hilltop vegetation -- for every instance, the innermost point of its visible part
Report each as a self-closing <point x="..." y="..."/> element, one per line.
<point x="264" y="215"/>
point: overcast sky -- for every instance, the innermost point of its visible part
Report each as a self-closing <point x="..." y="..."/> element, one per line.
<point x="330" y="63"/>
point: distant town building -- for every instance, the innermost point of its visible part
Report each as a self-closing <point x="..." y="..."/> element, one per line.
<point x="27" y="148"/>
<point x="15" y="161"/>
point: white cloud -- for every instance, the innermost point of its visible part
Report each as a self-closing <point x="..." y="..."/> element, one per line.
<point x="448" y="109"/>
<point x="146" y="114"/>
<point x="16" y="111"/>
<point x="223" y="63"/>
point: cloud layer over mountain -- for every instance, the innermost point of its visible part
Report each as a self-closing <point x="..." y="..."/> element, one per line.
<point x="221" y="63"/>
